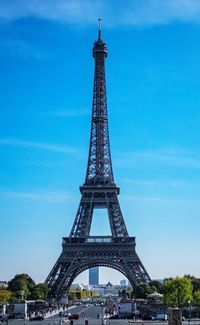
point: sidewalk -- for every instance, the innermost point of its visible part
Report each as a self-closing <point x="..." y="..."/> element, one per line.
<point x="57" y="311"/>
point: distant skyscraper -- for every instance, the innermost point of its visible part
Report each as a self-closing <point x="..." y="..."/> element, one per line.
<point x="94" y="276"/>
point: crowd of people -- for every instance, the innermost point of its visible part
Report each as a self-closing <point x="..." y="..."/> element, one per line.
<point x="44" y="310"/>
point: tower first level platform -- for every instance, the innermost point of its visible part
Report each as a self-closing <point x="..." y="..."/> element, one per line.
<point x="79" y="254"/>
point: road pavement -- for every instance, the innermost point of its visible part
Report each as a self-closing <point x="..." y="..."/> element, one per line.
<point x="89" y="313"/>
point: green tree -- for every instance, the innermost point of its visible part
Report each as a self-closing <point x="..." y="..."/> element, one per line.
<point x="196" y="298"/>
<point x="157" y="285"/>
<point x="195" y="282"/>
<point x="177" y="292"/>
<point x="21" y="285"/>
<point x="143" y="290"/>
<point x="5" y="295"/>
<point x="39" y="291"/>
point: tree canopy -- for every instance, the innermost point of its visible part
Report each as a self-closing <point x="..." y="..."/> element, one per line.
<point x="39" y="291"/>
<point x="21" y="285"/>
<point x="177" y="292"/>
<point x="196" y="298"/>
<point x="156" y="286"/>
<point x="143" y="290"/>
<point x="5" y="295"/>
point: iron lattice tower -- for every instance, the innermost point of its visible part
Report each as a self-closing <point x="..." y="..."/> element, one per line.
<point x="81" y="251"/>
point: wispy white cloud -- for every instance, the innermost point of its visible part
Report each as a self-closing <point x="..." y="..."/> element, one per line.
<point x="114" y="12"/>
<point x="155" y="183"/>
<point x="67" y="112"/>
<point x="38" y="145"/>
<point x="22" y="49"/>
<point x="161" y="200"/>
<point x="72" y="11"/>
<point x="176" y="187"/>
<point x="176" y="158"/>
<point x="155" y="12"/>
<point x="37" y="195"/>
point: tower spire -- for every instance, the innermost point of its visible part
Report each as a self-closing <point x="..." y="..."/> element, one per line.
<point x="99" y="169"/>
<point x="99" y="28"/>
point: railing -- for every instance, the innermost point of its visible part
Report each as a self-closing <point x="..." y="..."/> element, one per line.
<point x="98" y="240"/>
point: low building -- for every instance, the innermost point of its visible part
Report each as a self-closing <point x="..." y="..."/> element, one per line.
<point x="123" y="283"/>
<point x="110" y="290"/>
<point x="75" y="286"/>
<point x="3" y="284"/>
<point x="82" y="294"/>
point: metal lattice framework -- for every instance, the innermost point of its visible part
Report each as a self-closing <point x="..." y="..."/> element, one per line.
<point x="80" y="250"/>
<point x="99" y="170"/>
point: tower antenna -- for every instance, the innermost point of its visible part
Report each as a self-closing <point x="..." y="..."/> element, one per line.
<point x="99" y="27"/>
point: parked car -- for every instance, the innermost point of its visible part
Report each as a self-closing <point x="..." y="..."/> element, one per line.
<point x="39" y="317"/>
<point x="147" y="317"/>
<point x="160" y="316"/>
<point x="73" y="316"/>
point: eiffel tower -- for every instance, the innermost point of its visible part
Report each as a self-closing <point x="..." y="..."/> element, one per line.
<point x="80" y="251"/>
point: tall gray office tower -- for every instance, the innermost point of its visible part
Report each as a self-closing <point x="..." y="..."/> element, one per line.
<point x="94" y="276"/>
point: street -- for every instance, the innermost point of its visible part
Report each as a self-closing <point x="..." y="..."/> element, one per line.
<point x="90" y="313"/>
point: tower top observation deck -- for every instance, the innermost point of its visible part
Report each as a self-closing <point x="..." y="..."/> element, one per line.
<point x="99" y="50"/>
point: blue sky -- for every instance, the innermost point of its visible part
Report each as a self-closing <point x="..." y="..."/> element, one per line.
<point x="153" y="84"/>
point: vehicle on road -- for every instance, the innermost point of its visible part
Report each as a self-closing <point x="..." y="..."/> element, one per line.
<point x="148" y="317"/>
<point x="39" y="317"/>
<point x="161" y="316"/>
<point x="66" y="314"/>
<point x="73" y="316"/>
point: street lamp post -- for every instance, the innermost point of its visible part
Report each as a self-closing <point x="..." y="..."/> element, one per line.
<point x="189" y="302"/>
